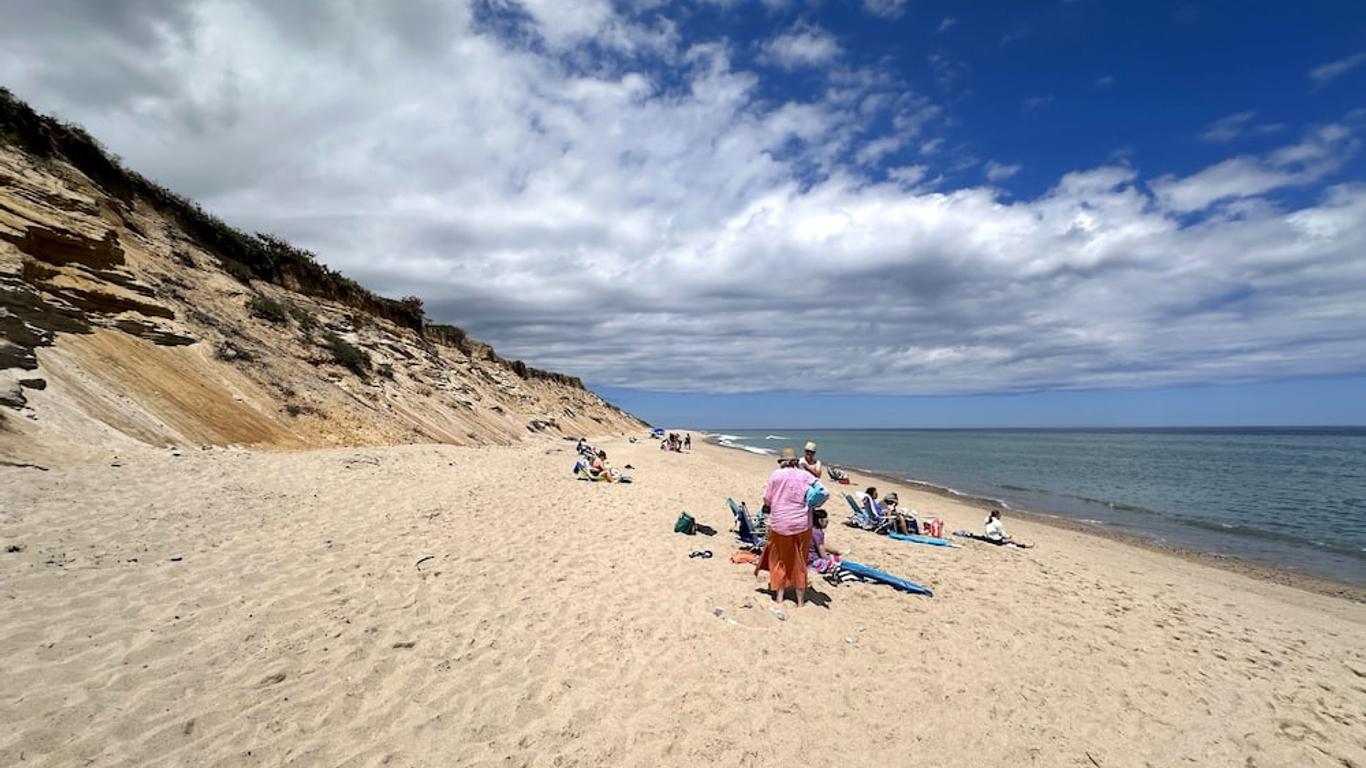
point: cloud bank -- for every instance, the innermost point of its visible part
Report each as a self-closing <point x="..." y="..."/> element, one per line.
<point x="594" y="193"/>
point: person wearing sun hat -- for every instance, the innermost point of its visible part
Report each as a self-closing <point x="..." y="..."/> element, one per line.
<point x="905" y="522"/>
<point x="789" y="530"/>
<point x="809" y="462"/>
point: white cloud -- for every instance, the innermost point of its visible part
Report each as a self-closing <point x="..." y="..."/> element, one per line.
<point x="872" y="152"/>
<point x="908" y="175"/>
<point x="887" y="9"/>
<point x="999" y="171"/>
<point x="1013" y="35"/>
<point x="1322" y="74"/>
<point x="634" y="208"/>
<point x="803" y="45"/>
<point x="1236" y="126"/>
<point x="948" y="23"/>
<point x="1032" y="103"/>
<point x="1105" y="81"/>
<point x="1318" y="154"/>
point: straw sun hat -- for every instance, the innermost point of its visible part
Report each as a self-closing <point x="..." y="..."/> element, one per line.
<point x="787" y="454"/>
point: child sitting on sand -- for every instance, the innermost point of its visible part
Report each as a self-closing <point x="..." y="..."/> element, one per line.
<point x="821" y="558"/>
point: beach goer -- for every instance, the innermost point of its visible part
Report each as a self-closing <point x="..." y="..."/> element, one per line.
<point x="821" y="557"/>
<point x="996" y="532"/>
<point x="789" y="530"/>
<point x="904" y="522"/>
<point x="599" y="465"/>
<point x="809" y="462"/>
<point x="687" y="442"/>
<point x="869" y="501"/>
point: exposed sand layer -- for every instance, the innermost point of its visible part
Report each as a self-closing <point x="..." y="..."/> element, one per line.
<point x="118" y="328"/>
<point x="437" y="606"/>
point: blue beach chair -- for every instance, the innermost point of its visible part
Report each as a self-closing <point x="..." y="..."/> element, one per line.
<point x="863" y="518"/>
<point x="744" y="527"/>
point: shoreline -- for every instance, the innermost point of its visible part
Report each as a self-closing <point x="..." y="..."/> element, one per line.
<point x="1256" y="569"/>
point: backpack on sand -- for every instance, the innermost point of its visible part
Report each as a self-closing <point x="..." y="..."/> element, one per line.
<point x="686" y="524"/>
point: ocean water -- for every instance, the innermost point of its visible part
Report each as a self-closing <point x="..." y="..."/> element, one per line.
<point x="1293" y="498"/>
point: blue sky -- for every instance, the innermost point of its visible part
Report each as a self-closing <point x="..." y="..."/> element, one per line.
<point x="1060" y="212"/>
<point x="1335" y="402"/>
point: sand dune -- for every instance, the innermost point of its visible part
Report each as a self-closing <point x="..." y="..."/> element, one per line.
<point x="435" y="606"/>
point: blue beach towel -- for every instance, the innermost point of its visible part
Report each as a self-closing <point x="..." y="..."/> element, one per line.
<point x="932" y="541"/>
<point x="865" y="573"/>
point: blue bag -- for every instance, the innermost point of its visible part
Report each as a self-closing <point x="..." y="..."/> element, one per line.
<point x="816" y="495"/>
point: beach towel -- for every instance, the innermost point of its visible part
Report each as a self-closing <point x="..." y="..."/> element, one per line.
<point x="865" y="573"/>
<point x="930" y="540"/>
<point x="744" y="557"/>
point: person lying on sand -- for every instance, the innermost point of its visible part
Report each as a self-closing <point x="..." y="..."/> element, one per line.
<point x="996" y="533"/>
<point x="821" y="558"/>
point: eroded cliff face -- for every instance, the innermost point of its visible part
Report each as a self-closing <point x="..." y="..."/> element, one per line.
<point x="118" y="329"/>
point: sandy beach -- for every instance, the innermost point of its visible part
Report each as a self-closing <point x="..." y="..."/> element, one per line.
<point x="433" y="606"/>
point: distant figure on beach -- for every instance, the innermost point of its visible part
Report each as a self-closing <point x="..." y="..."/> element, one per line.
<point x="789" y="530"/>
<point x="904" y="522"/>
<point x="599" y="464"/>
<point x="809" y="462"/>
<point x="996" y="532"/>
<point x="821" y="557"/>
<point x="687" y="442"/>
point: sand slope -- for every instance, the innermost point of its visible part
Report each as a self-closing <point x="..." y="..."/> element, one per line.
<point x="560" y="622"/>
<point x="119" y="326"/>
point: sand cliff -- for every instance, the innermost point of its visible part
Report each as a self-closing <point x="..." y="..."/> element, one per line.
<point x="124" y="322"/>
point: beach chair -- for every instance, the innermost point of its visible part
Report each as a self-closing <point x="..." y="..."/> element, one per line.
<point x="744" y="527"/>
<point x="864" y="518"/>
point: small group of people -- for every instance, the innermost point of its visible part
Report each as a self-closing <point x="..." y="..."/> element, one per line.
<point x="796" y="528"/>
<point x="676" y="443"/>
<point x="903" y="522"/>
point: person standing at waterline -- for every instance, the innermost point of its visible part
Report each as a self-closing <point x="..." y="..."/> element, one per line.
<point x="789" y="530"/>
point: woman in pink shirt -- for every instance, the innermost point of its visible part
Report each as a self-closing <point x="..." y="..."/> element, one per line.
<point x="789" y="530"/>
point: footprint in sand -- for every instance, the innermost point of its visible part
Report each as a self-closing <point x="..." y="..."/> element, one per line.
<point x="1295" y="730"/>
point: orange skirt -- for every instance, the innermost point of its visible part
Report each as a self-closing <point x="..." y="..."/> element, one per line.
<point x="784" y="558"/>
